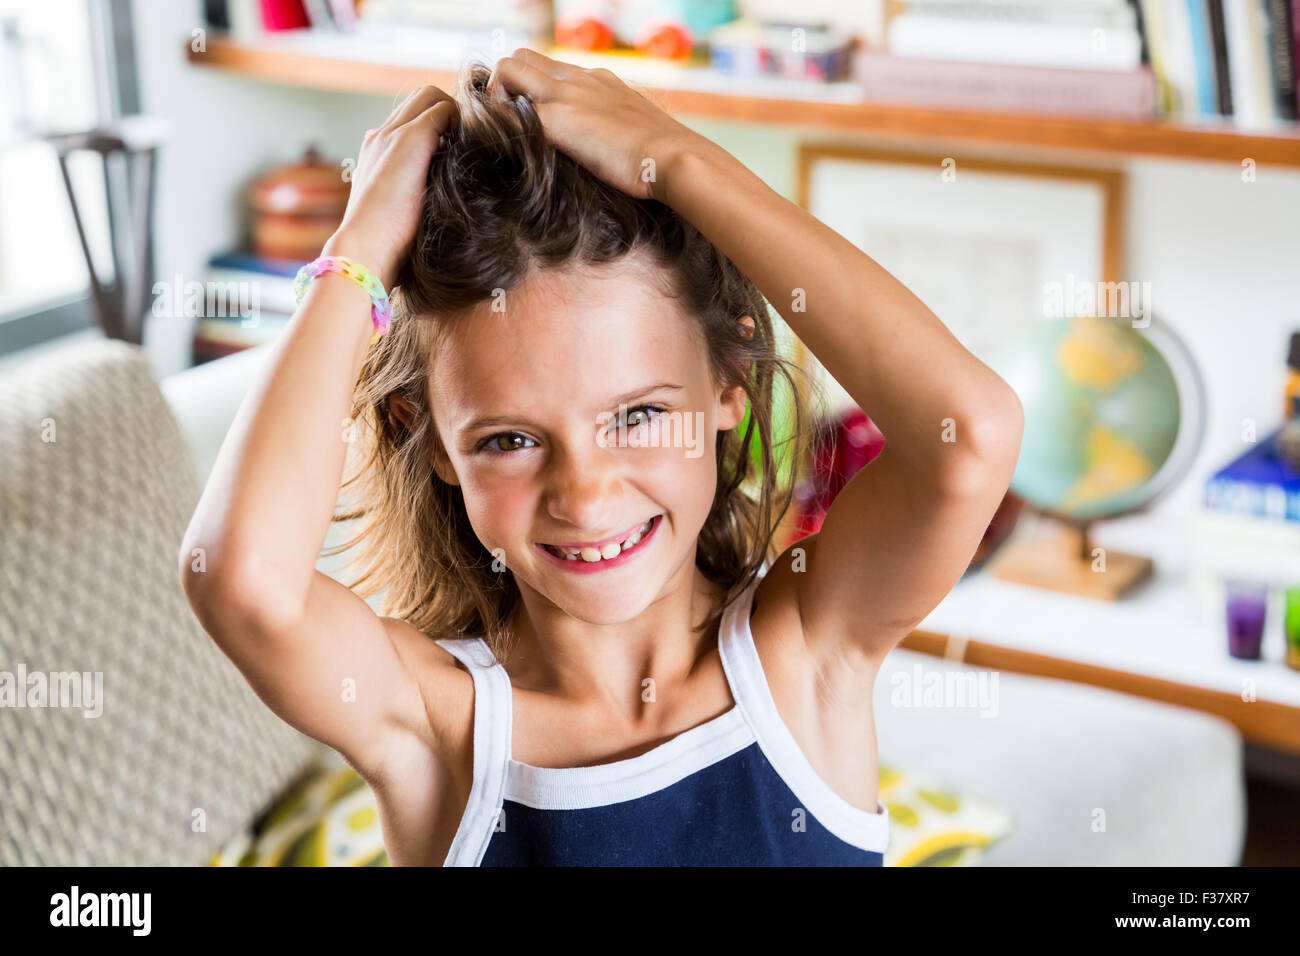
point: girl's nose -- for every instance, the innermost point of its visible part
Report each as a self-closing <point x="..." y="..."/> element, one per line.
<point x="584" y="489"/>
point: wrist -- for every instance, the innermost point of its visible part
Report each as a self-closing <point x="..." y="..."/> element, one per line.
<point x="674" y="156"/>
<point x="354" y="246"/>
<point x="333" y="261"/>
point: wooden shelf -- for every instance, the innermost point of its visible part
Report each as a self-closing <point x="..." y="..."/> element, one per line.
<point x="274" y="62"/>
<point x="1262" y="722"/>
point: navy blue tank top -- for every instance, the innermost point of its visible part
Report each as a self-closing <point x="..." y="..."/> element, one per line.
<point x="733" y="791"/>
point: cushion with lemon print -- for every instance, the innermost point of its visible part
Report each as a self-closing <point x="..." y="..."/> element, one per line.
<point x="327" y="819"/>
<point x="330" y="819"/>
<point x="933" y="826"/>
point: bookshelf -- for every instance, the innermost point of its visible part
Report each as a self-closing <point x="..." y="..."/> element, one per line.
<point x="841" y="109"/>
<point x="1138" y="661"/>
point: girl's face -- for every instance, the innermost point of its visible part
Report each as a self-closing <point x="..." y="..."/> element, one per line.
<point x="580" y="420"/>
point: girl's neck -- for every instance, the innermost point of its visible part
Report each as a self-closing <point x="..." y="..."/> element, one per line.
<point x="607" y="664"/>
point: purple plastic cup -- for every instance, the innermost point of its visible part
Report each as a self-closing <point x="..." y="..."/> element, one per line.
<point x="1247" y="608"/>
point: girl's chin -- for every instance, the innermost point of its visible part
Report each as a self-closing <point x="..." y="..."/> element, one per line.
<point x="589" y="599"/>
<point x="608" y="619"/>
<point x="612" y="606"/>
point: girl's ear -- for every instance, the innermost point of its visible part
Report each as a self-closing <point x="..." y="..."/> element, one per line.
<point x="442" y="466"/>
<point x="405" y="413"/>
<point x="400" y="407"/>
<point x="731" y="407"/>
<point x="731" y="401"/>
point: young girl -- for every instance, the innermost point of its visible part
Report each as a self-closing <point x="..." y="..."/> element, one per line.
<point x="592" y="654"/>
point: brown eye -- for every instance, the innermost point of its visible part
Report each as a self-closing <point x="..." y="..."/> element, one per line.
<point x="641" y="415"/>
<point x="507" y="441"/>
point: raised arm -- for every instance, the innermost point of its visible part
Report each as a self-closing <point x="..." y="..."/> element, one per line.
<point x="903" y="530"/>
<point x="248" y="558"/>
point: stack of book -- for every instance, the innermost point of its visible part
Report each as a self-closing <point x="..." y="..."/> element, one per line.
<point x="1185" y="59"/>
<point x="248" y="19"/>
<point x="432" y="32"/>
<point x="1234" y="58"/>
<point x="445" y="31"/>
<point x="1249" y="522"/>
<point x="247" y="300"/>
<point x="1261" y="482"/>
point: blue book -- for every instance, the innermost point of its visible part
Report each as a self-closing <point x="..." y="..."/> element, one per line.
<point x="1207" y="95"/>
<point x="1262" y="482"/>
<point x="248" y="262"/>
<point x="270" y="279"/>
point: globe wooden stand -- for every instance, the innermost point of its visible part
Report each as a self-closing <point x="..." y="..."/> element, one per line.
<point x="1059" y="556"/>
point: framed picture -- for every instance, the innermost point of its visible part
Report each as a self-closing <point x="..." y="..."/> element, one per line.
<point x="983" y="243"/>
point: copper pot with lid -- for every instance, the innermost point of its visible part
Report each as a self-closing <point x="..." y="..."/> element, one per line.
<point x="296" y="208"/>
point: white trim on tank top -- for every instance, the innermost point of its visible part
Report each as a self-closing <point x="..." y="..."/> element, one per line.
<point x="491" y="742"/>
<point x="744" y="668"/>
<point x="753" y="717"/>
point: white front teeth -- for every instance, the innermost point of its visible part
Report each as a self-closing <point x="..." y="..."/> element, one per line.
<point x="611" y="550"/>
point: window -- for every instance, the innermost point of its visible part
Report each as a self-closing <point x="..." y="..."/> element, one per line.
<point x="57" y="64"/>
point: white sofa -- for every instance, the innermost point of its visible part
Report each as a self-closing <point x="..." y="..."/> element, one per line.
<point x="1091" y="777"/>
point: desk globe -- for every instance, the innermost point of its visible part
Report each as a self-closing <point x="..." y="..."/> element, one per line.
<point x="1114" y="417"/>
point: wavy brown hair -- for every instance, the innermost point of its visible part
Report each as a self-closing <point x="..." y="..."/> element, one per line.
<point x="501" y="202"/>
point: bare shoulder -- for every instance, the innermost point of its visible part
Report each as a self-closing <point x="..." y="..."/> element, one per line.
<point x="782" y="651"/>
<point x="422" y="782"/>
<point x="823" y="697"/>
<point x="797" y="676"/>
<point x="774" y="616"/>
<point x="445" y="725"/>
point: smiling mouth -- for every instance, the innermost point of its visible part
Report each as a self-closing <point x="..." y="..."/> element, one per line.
<point x="609" y="552"/>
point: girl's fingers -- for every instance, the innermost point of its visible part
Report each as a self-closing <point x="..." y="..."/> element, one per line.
<point x="556" y="69"/>
<point x="513" y="75"/>
<point x="436" y="120"/>
<point x="397" y="109"/>
<point x="414" y="105"/>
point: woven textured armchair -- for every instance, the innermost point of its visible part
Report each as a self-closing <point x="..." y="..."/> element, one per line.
<point x="96" y="488"/>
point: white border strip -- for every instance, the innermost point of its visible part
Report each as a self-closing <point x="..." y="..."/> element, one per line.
<point x="492" y="719"/>
<point x="861" y="828"/>
<point x="579" y="788"/>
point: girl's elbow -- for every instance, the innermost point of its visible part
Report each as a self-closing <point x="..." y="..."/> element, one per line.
<point x="233" y="590"/>
<point x="992" y="449"/>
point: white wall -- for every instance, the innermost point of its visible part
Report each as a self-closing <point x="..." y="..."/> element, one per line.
<point x="1223" y="258"/>
<point x="1222" y="255"/>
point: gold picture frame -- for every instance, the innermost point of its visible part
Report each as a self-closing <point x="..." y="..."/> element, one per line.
<point x="1016" y="206"/>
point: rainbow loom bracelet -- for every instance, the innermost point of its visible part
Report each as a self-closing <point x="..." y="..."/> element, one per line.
<point x="379" y="309"/>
